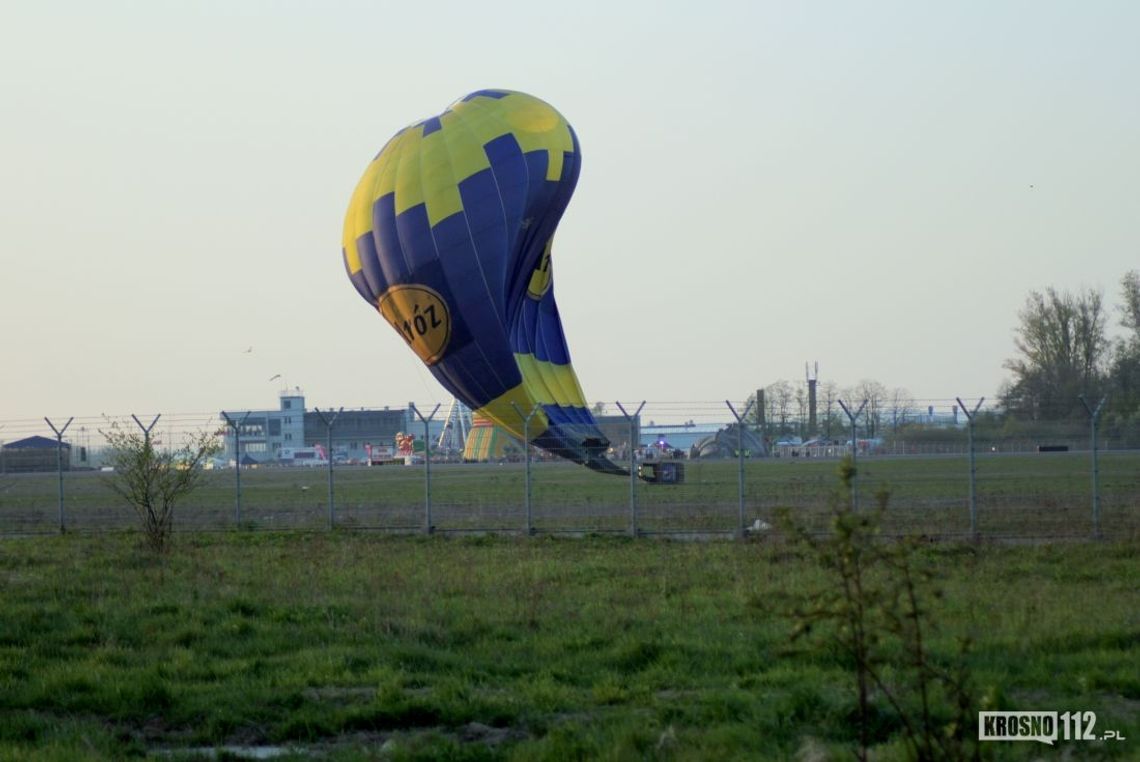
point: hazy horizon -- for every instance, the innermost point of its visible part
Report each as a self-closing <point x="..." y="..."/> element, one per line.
<point x="873" y="188"/>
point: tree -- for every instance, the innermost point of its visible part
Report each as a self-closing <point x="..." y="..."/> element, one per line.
<point x="871" y="603"/>
<point x="1063" y="352"/>
<point x="1124" y="376"/>
<point x="1130" y="289"/>
<point x="779" y="397"/>
<point x="902" y="407"/>
<point x="828" y="391"/>
<point x="152" y="482"/>
<point x="876" y="395"/>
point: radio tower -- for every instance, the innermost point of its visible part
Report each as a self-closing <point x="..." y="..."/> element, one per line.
<point x="812" y="376"/>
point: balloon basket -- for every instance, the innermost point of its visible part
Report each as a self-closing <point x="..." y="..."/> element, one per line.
<point x="662" y="472"/>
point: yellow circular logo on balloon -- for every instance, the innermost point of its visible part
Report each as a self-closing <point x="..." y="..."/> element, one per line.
<point x="540" y="278"/>
<point x="421" y="317"/>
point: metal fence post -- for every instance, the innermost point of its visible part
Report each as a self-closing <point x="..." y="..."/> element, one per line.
<point x="1094" y="414"/>
<point x="147" y="429"/>
<point x="632" y="468"/>
<point x="973" y="463"/>
<point x="428" y="527"/>
<point x="526" y="456"/>
<point x="329" y="454"/>
<point x="740" y="464"/>
<point x="236" y="426"/>
<point x="854" y="451"/>
<point x="59" y="465"/>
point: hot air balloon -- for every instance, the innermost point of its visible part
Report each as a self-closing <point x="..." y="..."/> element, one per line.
<point x="448" y="235"/>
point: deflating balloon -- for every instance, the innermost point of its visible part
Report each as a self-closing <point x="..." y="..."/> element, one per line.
<point x="449" y="235"/>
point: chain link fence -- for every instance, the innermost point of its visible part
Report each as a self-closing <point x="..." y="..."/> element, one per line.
<point x="1025" y="486"/>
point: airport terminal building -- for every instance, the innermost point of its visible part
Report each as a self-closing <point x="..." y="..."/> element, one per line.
<point x="272" y="436"/>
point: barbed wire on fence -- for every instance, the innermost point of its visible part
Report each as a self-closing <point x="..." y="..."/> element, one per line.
<point x="937" y="415"/>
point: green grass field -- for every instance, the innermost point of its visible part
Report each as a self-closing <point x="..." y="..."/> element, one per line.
<point x="353" y="645"/>
<point x="1041" y="496"/>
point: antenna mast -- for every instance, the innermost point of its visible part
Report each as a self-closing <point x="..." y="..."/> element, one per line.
<point x="812" y="377"/>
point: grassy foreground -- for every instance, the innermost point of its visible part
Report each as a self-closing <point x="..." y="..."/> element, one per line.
<point x="360" y="646"/>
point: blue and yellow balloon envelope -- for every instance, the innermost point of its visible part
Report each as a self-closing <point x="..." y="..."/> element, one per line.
<point x="448" y="235"/>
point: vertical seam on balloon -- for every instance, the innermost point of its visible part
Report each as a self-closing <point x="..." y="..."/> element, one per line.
<point x="371" y="198"/>
<point x="459" y="120"/>
<point x="483" y="394"/>
<point x="396" y="206"/>
<point x="574" y="410"/>
<point x="542" y="382"/>
<point x="528" y="385"/>
<point x="574" y="393"/>
<point x="438" y="367"/>
<point x="542" y="337"/>
<point x="443" y="272"/>
<point x="568" y="394"/>
<point x="564" y="393"/>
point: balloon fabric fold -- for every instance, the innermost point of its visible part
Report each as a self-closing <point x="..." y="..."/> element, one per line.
<point x="449" y="235"/>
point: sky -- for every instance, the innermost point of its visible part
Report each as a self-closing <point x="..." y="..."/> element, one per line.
<point x="875" y="187"/>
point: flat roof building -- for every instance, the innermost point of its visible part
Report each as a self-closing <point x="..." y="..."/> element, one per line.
<point x="270" y="436"/>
